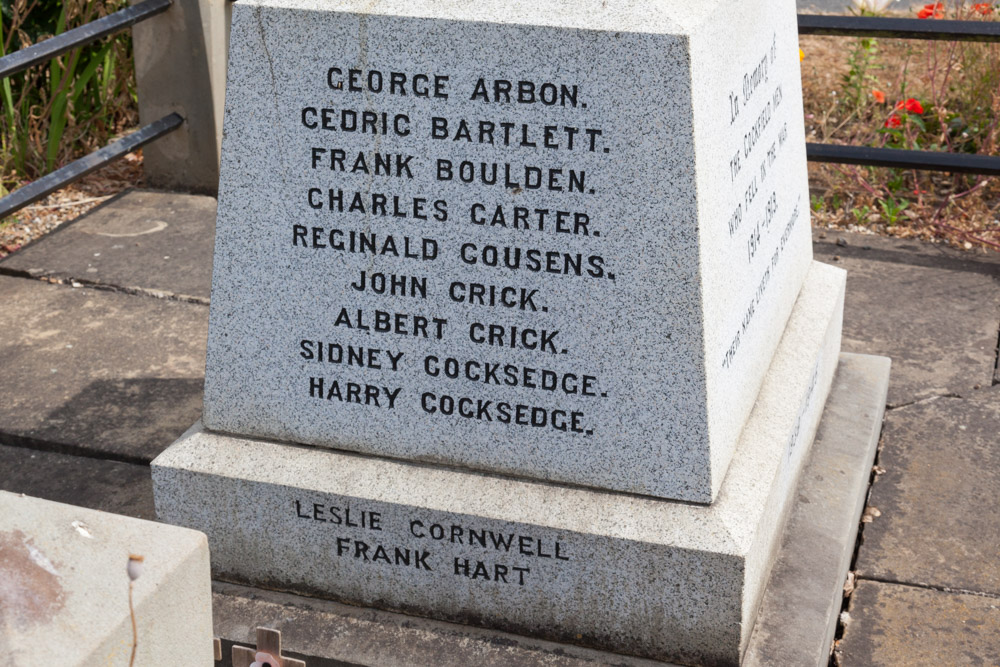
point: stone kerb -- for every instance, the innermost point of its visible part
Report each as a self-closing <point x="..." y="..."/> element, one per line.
<point x="82" y="587"/>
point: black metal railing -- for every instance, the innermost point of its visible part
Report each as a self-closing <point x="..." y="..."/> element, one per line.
<point x="85" y="34"/>
<point x="77" y="169"/>
<point x="878" y="26"/>
<point x="924" y="29"/>
<point x="856" y="26"/>
<point x="57" y="45"/>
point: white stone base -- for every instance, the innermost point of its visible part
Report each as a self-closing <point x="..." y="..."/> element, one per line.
<point x="64" y="588"/>
<point x="632" y="574"/>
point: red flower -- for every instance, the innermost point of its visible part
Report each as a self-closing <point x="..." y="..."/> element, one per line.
<point x="935" y="10"/>
<point x="879" y="96"/>
<point x="910" y="105"/>
<point x="982" y="8"/>
<point x="893" y="121"/>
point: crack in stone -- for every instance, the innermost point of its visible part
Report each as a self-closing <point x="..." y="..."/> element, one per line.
<point x="927" y="399"/>
<point x="932" y="587"/>
<point x="258" y="14"/>
<point x="106" y="287"/>
<point x="996" y="360"/>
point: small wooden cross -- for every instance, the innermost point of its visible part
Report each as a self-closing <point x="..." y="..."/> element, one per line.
<point x="269" y="650"/>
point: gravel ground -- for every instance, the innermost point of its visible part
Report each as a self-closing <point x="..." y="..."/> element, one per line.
<point x="64" y="205"/>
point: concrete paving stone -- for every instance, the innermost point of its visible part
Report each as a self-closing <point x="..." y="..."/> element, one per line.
<point x="108" y="486"/>
<point x="940" y="521"/>
<point x="903" y="625"/>
<point x="934" y="310"/>
<point x="143" y="240"/>
<point x="87" y="370"/>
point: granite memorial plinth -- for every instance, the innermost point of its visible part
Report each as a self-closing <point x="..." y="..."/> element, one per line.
<point x="514" y="316"/>
<point x="638" y="575"/>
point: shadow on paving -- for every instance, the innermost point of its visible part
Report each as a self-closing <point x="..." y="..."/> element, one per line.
<point x="93" y="372"/>
<point x="123" y="420"/>
<point x="910" y="253"/>
<point x="109" y="486"/>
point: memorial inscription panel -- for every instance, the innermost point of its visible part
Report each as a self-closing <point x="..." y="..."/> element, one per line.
<point x="505" y="246"/>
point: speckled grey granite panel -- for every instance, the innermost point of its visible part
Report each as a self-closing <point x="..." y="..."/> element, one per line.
<point x="673" y="149"/>
<point x="651" y="577"/>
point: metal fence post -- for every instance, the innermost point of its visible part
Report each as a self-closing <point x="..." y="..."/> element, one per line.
<point x="180" y="66"/>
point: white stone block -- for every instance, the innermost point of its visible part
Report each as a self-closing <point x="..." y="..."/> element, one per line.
<point x="669" y="134"/>
<point x="64" y="588"/>
<point x="652" y="577"/>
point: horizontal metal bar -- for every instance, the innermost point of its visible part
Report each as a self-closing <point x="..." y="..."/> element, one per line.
<point x="85" y="34"/>
<point x="891" y="157"/>
<point x="879" y="26"/>
<point x="77" y="169"/>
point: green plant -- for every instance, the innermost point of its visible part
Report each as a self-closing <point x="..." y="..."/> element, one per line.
<point x="816" y="202"/>
<point x="896" y="180"/>
<point x="892" y="208"/>
<point x="11" y="220"/>
<point x="858" y="80"/>
<point x="69" y="106"/>
<point x="861" y="214"/>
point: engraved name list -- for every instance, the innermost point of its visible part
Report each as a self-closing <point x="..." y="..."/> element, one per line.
<point x="360" y="152"/>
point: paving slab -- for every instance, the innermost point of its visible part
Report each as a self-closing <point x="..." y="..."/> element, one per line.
<point x="141" y="241"/>
<point x="113" y="375"/>
<point x="903" y="625"/>
<point x="109" y="486"/>
<point x="934" y="310"/>
<point x="940" y="521"/>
